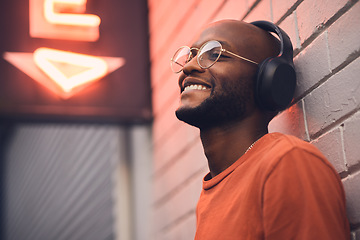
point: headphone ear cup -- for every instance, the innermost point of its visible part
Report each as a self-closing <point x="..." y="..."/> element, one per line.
<point x="259" y="84"/>
<point x="275" y="84"/>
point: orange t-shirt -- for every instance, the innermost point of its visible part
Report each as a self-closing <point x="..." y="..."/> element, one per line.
<point x="283" y="188"/>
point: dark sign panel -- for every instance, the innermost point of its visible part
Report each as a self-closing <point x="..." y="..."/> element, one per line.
<point x="75" y="60"/>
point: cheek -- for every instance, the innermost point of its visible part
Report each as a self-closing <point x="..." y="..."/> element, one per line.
<point x="233" y="80"/>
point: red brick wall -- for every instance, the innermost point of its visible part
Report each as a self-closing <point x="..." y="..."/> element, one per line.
<point x="325" y="35"/>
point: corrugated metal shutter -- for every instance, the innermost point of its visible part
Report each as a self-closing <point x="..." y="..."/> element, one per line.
<point x="58" y="182"/>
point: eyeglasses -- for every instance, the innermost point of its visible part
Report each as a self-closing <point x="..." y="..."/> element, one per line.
<point x="207" y="55"/>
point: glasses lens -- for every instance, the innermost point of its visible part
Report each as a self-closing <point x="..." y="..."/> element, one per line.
<point x="209" y="54"/>
<point x="179" y="59"/>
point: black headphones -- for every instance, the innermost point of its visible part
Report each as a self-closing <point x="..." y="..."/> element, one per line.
<point x="276" y="78"/>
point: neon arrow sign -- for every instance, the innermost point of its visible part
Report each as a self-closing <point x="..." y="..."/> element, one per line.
<point x="25" y="62"/>
<point x="95" y="67"/>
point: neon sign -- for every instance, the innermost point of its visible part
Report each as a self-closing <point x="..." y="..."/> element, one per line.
<point x="72" y="19"/>
<point x="63" y="19"/>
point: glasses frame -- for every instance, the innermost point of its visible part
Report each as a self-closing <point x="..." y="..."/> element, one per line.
<point x="199" y="50"/>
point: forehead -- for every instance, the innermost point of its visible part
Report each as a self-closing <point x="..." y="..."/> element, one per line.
<point x="231" y="34"/>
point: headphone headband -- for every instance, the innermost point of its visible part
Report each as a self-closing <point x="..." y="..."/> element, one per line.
<point x="286" y="49"/>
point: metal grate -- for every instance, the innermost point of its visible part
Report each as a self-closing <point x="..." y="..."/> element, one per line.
<point x="58" y="182"/>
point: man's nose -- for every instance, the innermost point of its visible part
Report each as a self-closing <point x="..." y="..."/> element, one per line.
<point x="191" y="66"/>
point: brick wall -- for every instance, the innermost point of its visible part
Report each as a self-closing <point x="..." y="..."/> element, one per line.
<point x="325" y="35"/>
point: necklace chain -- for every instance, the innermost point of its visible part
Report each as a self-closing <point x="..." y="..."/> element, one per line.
<point x="251" y="146"/>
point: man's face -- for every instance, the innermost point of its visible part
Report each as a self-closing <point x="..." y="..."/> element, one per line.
<point x="224" y="92"/>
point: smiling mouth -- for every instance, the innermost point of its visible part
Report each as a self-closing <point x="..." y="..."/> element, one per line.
<point x="195" y="87"/>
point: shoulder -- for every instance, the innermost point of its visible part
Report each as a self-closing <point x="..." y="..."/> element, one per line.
<point x="284" y="143"/>
<point x="277" y="148"/>
<point x="279" y="145"/>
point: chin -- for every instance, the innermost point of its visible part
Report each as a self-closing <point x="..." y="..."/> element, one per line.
<point x="189" y="116"/>
<point x="213" y="112"/>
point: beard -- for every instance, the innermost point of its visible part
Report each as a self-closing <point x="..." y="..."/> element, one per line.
<point x="225" y="106"/>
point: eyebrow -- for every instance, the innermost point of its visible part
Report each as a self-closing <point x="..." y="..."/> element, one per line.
<point x="224" y="43"/>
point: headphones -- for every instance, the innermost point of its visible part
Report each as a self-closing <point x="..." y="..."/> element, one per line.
<point x="276" y="79"/>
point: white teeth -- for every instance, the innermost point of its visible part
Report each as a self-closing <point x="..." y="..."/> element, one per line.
<point x="195" y="87"/>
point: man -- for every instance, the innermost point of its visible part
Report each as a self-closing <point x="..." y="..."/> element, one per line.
<point x="260" y="185"/>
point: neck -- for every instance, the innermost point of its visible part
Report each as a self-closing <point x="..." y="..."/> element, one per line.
<point x="223" y="145"/>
